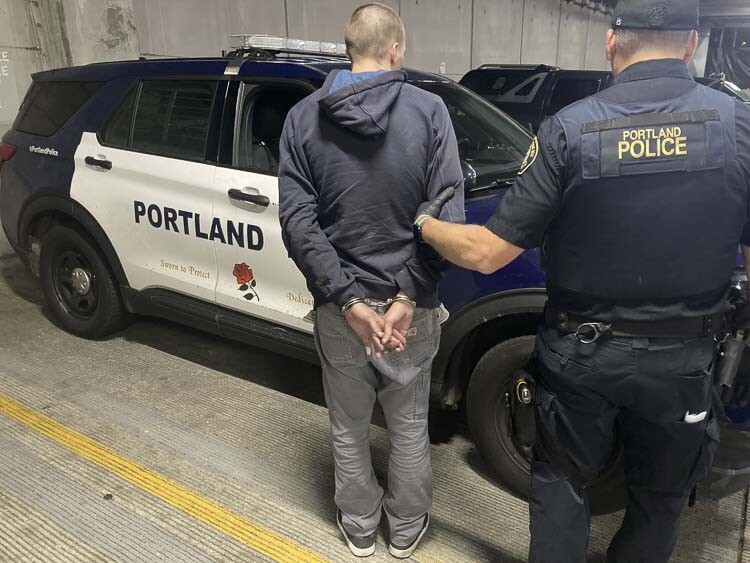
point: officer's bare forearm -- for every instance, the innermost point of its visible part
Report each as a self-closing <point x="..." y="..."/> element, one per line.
<point x="470" y="246"/>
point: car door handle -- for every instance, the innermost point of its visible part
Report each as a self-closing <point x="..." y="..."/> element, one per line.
<point x="261" y="200"/>
<point x="99" y="163"/>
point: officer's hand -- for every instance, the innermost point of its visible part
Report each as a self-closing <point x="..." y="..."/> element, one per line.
<point x="368" y="325"/>
<point x="432" y="209"/>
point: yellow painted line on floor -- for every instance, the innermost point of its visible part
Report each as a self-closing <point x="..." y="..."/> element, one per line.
<point x="254" y="536"/>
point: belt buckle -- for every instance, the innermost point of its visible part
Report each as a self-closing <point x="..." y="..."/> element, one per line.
<point x="597" y="330"/>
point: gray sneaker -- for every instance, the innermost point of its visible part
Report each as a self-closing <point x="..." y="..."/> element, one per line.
<point x="361" y="547"/>
<point x="404" y="552"/>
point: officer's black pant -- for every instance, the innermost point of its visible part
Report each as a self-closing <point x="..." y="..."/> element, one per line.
<point x="639" y="390"/>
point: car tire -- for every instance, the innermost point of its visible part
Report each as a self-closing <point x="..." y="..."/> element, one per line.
<point x="78" y="287"/>
<point x="498" y="429"/>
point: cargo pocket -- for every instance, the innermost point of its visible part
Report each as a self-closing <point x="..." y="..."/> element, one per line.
<point x="683" y="459"/>
<point x="421" y="405"/>
<point x="708" y="453"/>
<point x="548" y="424"/>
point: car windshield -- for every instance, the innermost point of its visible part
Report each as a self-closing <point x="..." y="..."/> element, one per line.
<point x="491" y="145"/>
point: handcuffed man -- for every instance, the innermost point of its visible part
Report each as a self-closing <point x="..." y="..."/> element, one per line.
<point x="359" y="157"/>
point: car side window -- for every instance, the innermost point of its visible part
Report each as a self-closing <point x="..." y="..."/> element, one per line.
<point x="172" y="117"/>
<point x="49" y="105"/>
<point x="261" y="121"/>
<point x="117" y="131"/>
<point x="570" y="90"/>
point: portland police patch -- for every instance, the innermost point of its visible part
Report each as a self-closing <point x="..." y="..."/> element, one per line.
<point x="530" y="156"/>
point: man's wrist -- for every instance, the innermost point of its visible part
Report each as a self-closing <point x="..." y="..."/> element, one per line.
<point x="351" y="303"/>
<point x="419" y="224"/>
<point x="427" y="228"/>
<point x="402" y="297"/>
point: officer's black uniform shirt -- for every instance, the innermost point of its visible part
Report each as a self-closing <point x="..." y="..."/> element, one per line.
<point x="531" y="205"/>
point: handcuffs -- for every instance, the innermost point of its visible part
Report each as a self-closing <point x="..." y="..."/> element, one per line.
<point x="352" y="302"/>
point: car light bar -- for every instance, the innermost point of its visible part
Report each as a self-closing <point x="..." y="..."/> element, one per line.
<point x="273" y="43"/>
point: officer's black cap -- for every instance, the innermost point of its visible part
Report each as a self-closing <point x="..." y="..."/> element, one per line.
<point x="663" y="15"/>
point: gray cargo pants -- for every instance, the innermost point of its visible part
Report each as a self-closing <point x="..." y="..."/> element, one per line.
<point x="352" y="383"/>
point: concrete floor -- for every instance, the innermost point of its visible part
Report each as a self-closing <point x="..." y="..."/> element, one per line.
<point x="242" y="427"/>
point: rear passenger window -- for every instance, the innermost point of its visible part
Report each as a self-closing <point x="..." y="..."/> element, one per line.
<point x="49" y="105"/>
<point x="173" y="117"/>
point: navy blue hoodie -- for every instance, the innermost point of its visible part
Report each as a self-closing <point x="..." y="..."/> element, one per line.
<point x="355" y="165"/>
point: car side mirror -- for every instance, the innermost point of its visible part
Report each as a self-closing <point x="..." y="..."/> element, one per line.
<point x="470" y="175"/>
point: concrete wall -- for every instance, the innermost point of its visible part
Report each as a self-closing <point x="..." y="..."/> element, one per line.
<point x="19" y="57"/>
<point x="438" y="35"/>
<point x="191" y="28"/>
<point x="447" y="36"/>
<point x="498" y="30"/>
<point x="100" y="30"/>
<point x="42" y="34"/>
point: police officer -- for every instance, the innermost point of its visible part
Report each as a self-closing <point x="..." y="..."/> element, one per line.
<point x="638" y="197"/>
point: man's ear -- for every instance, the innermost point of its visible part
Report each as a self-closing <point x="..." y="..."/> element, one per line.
<point x="611" y="45"/>
<point x="692" y="47"/>
<point x="395" y="53"/>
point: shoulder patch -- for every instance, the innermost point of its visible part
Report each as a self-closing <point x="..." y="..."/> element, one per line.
<point x="530" y="156"/>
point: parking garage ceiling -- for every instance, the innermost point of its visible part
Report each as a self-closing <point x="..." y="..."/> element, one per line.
<point x="709" y="8"/>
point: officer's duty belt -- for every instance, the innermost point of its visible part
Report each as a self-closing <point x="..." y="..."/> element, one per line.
<point x="588" y="330"/>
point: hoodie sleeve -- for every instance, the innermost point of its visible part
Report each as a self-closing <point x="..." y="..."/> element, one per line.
<point x="303" y="237"/>
<point x="425" y="269"/>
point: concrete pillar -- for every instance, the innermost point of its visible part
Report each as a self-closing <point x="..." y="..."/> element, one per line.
<point x="438" y="35"/>
<point x="497" y="32"/>
<point x="541" y="27"/>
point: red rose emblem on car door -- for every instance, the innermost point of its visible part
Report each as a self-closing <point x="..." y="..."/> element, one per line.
<point x="245" y="279"/>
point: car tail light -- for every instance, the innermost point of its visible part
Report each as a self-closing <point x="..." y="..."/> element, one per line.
<point x="6" y="152"/>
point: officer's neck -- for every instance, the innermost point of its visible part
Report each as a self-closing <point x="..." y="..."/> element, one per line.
<point x="620" y="64"/>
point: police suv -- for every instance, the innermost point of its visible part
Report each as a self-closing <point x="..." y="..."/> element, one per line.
<point x="150" y="187"/>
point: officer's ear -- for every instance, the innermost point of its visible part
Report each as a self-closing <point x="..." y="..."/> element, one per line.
<point x="692" y="47"/>
<point x="611" y="46"/>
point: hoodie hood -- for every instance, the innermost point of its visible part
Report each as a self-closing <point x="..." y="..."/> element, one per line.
<point x="363" y="107"/>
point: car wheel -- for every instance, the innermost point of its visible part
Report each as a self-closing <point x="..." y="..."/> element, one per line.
<point x="78" y="286"/>
<point x="503" y="428"/>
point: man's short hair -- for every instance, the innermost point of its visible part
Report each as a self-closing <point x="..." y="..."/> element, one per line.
<point x="630" y="41"/>
<point x="372" y="30"/>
